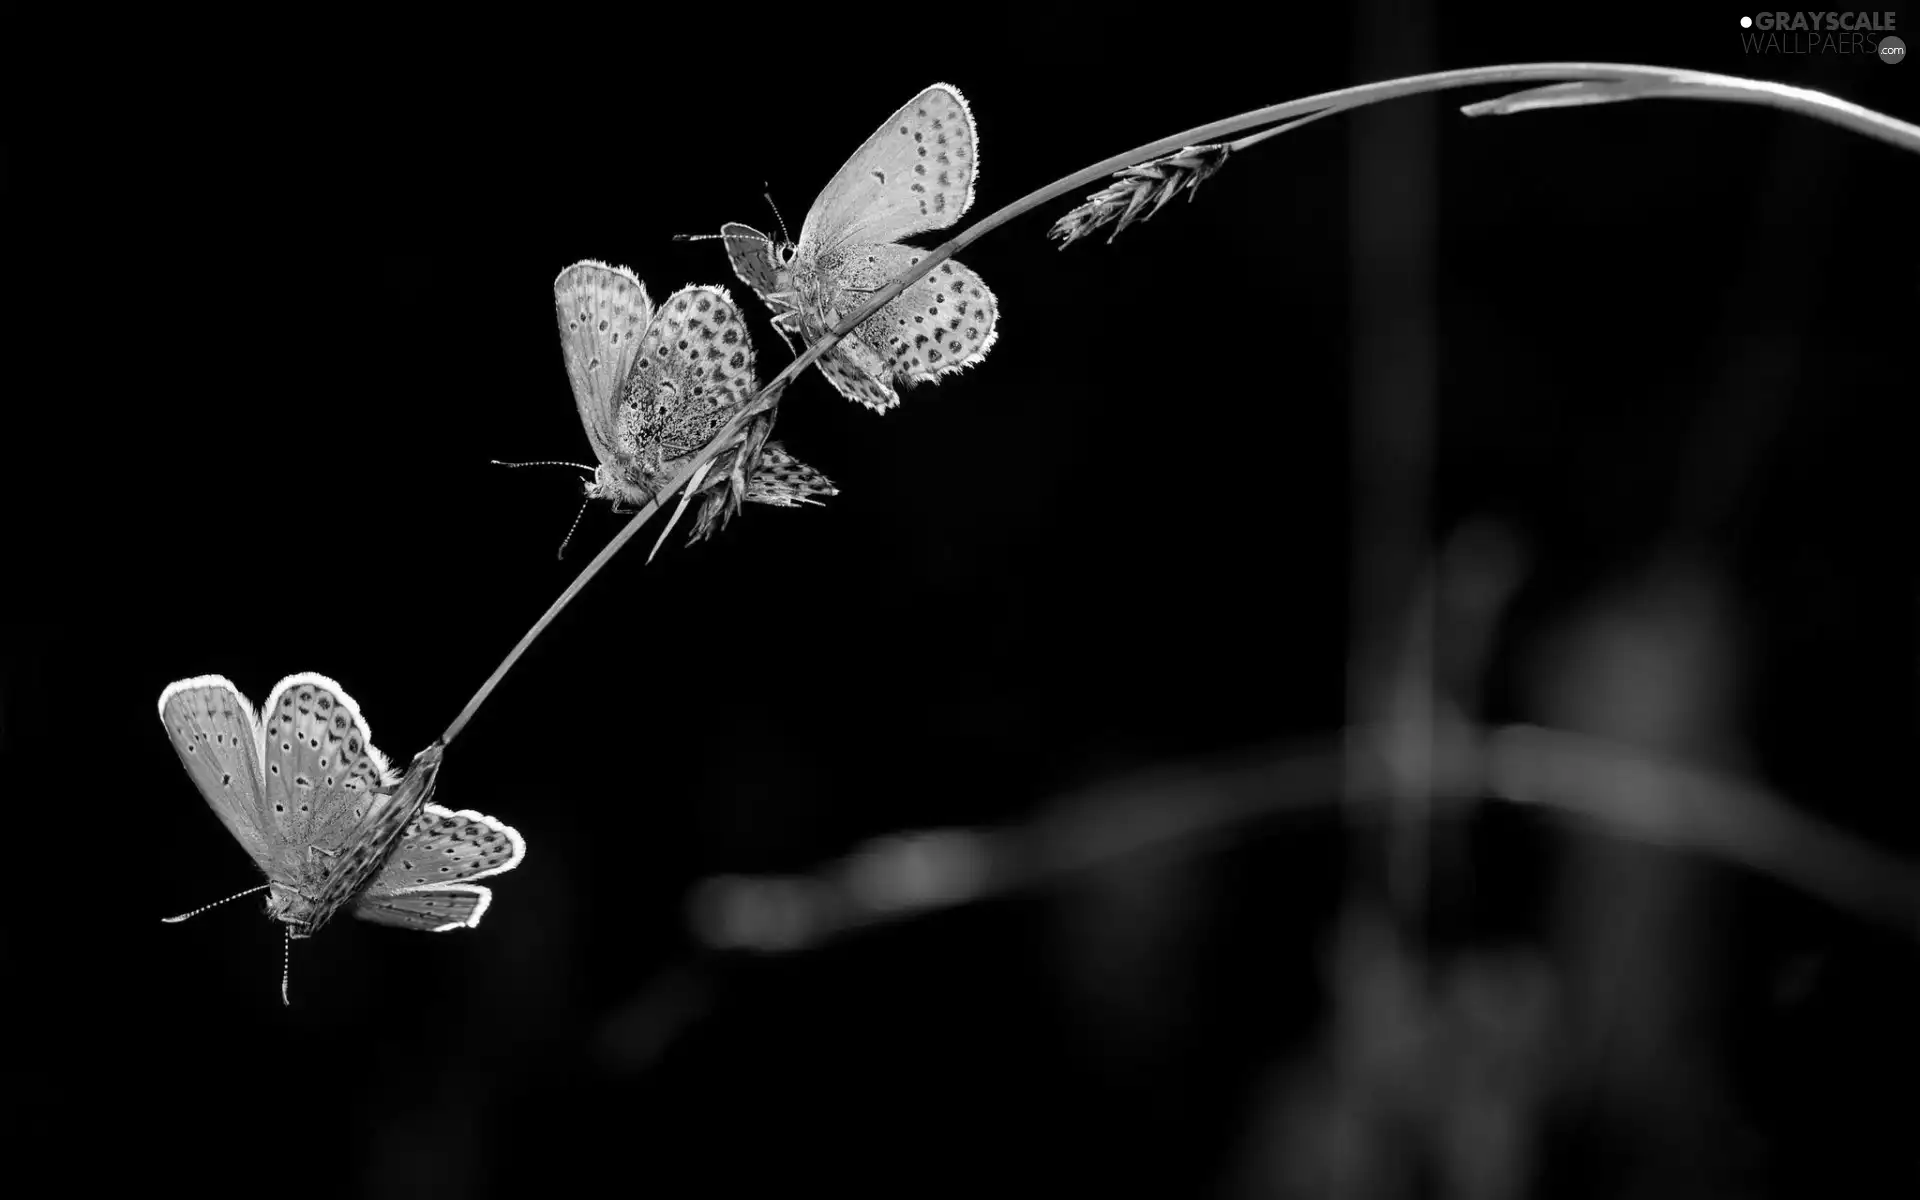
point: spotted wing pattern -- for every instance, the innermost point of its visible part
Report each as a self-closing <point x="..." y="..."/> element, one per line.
<point x="429" y="873"/>
<point x="434" y="910"/>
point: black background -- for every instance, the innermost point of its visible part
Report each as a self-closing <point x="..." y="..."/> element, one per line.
<point x="308" y="298"/>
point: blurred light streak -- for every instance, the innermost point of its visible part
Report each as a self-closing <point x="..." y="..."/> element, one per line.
<point x="1659" y="801"/>
<point x="1620" y="789"/>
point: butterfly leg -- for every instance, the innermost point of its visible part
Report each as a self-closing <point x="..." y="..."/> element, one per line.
<point x="786" y="338"/>
<point x="324" y="871"/>
<point x="786" y="320"/>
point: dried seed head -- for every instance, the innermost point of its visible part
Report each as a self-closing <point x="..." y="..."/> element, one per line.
<point x="1139" y="192"/>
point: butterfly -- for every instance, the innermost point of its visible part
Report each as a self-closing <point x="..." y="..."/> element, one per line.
<point x="915" y="174"/>
<point x="654" y="385"/>
<point x="300" y="786"/>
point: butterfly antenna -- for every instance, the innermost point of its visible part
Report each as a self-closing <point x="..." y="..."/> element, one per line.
<point x="286" y="965"/>
<point x="698" y="237"/>
<point x="686" y="494"/>
<point x="778" y="219"/>
<point x="578" y="466"/>
<point x="217" y="903"/>
<point x="576" y="524"/>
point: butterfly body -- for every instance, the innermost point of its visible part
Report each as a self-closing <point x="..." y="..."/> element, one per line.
<point x="915" y="174"/>
<point x="321" y="812"/>
<point x="654" y="385"/>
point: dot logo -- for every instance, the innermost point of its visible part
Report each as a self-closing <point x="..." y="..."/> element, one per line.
<point x="1892" y="50"/>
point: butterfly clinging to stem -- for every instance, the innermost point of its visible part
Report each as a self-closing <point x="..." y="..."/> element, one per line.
<point x="915" y="174"/>
<point x="653" y="387"/>
<point x="300" y="786"/>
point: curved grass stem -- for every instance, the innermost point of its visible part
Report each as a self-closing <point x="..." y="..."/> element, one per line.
<point x="1570" y="84"/>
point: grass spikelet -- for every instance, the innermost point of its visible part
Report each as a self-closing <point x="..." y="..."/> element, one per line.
<point x="1141" y="191"/>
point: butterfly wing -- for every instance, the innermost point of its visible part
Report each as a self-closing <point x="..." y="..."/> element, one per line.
<point x="946" y="320"/>
<point x="914" y="174"/>
<point x="427" y="880"/>
<point x="693" y="371"/>
<point x="859" y="372"/>
<point x="326" y="787"/>
<point x="778" y="479"/>
<point x="214" y="730"/>
<point x="322" y="773"/>
<point x="784" y="480"/>
<point x="751" y="253"/>
<point x="434" y="911"/>
<point x="708" y="359"/>
<point x="350" y="873"/>
<point x="603" y="311"/>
